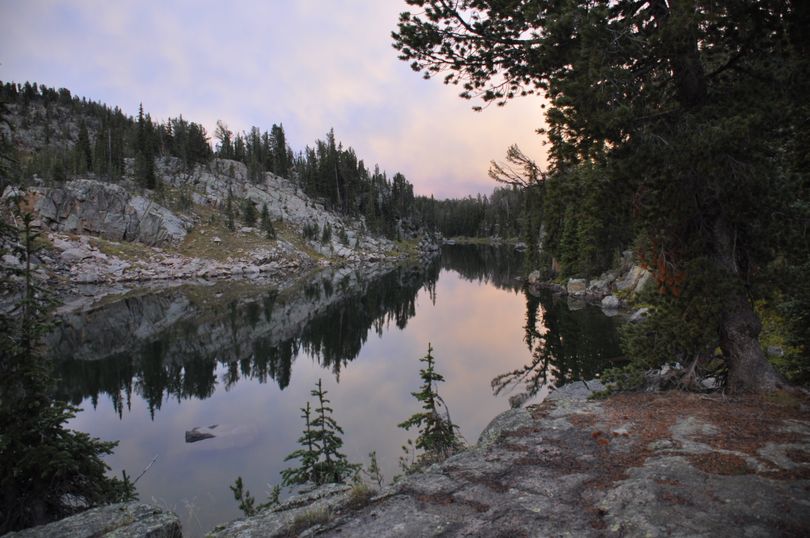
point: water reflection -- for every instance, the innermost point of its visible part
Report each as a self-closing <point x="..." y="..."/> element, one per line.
<point x="170" y="344"/>
<point x="500" y="266"/>
<point x="176" y="340"/>
<point x="151" y="366"/>
<point x="565" y="344"/>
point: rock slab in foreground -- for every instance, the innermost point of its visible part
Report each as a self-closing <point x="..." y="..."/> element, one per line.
<point x="633" y="465"/>
<point x="130" y="520"/>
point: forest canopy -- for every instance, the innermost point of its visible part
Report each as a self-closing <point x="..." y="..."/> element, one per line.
<point x="686" y="118"/>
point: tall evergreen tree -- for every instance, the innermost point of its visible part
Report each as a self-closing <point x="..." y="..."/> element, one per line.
<point x="144" y="156"/>
<point x="687" y="107"/>
<point x="46" y="467"/>
<point x="437" y="433"/>
<point x="84" y="156"/>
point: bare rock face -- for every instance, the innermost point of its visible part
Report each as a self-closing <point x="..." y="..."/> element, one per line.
<point x="107" y="210"/>
<point x="133" y="520"/>
<point x="625" y="466"/>
<point x="309" y="510"/>
<point x="635" y="280"/>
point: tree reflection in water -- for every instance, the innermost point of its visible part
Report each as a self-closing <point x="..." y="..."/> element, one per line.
<point x="180" y="361"/>
<point x="566" y="345"/>
<point x="171" y="344"/>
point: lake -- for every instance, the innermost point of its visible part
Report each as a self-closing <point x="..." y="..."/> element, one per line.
<point x="152" y="365"/>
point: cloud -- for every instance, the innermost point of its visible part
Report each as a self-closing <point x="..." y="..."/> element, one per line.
<point x="308" y="64"/>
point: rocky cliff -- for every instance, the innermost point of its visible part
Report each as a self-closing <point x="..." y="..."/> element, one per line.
<point x="104" y="233"/>
<point x="106" y="210"/>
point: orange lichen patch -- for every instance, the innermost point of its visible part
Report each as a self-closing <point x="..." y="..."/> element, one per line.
<point x="719" y="463"/>
<point x="743" y="424"/>
<point x="798" y="456"/>
<point x="540" y="410"/>
<point x="582" y="421"/>
<point x="673" y="498"/>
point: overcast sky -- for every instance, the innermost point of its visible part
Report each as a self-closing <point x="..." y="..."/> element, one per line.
<point x="309" y="64"/>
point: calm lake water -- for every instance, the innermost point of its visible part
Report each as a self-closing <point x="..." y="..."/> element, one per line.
<point x="151" y="366"/>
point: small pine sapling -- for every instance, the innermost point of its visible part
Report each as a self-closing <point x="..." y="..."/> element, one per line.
<point x="307" y="455"/>
<point x="321" y="461"/>
<point x="437" y="434"/>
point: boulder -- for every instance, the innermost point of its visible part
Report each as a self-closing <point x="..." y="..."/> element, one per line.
<point x="610" y="302"/>
<point x="634" y="280"/>
<point x="534" y="278"/>
<point x="133" y="520"/>
<point x="639" y="315"/>
<point x="88" y="276"/>
<point x="577" y="286"/>
<point x="11" y="261"/>
<point x="75" y="254"/>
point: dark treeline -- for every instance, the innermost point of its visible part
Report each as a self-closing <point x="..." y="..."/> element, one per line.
<point x="327" y="171"/>
<point x="60" y="135"/>
<point x="501" y="214"/>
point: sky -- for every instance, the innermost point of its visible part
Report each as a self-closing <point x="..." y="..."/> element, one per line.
<point x="311" y="65"/>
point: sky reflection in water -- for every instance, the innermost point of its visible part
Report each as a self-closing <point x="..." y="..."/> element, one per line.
<point x="476" y="325"/>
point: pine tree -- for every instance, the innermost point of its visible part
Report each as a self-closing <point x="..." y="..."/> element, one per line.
<point x="437" y="433"/>
<point x="44" y="464"/>
<point x="84" y="156"/>
<point x="332" y="465"/>
<point x="319" y="455"/>
<point x="691" y="122"/>
<point x="267" y="224"/>
<point x="248" y="212"/>
<point x="144" y="157"/>
<point x="307" y="455"/>
<point x="326" y="236"/>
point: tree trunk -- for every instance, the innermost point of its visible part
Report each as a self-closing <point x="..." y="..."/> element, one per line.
<point x="748" y="368"/>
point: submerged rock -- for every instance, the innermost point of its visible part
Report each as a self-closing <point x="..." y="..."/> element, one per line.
<point x="199" y="434"/>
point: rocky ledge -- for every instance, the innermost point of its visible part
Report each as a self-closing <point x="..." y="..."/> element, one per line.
<point x="122" y="520"/>
<point x="642" y="464"/>
<point x="663" y="464"/>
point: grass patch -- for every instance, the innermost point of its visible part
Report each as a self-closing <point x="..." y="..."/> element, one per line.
<point x="289" y="234"/>
<point x="784" y="398"/>
<point x="360" y="495"/>
<point x="199" y="242"/>
<point x="310" y="518"/>
<point x="125" y="250"/>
